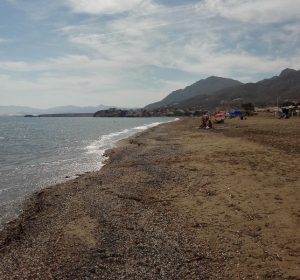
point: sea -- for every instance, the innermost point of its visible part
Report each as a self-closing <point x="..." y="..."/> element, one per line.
<point x="39" y="152"/>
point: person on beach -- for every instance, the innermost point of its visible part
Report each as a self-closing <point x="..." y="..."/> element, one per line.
<point x="206" y="122"/>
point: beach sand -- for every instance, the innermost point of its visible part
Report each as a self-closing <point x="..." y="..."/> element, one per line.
<point x="174" y="202"/>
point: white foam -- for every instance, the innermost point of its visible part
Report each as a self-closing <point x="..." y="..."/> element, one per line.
<point x="108" y="141"/>
<point x="144" y="127"/>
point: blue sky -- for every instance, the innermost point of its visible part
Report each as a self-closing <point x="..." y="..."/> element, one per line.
<point x="134" y="52"/>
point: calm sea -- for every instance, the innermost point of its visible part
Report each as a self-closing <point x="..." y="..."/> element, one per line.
<point x="38" y="152"/>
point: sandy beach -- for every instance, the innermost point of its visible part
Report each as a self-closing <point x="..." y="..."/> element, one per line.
<point x="174" y="202"/>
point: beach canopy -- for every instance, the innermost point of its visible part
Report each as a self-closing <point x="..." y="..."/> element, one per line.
<point x="235" y="113"/>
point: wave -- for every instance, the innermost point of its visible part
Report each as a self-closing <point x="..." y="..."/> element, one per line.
<point x="109" y="141"/>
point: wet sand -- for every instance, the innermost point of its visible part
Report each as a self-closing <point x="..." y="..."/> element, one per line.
<point x="174" y="202"/>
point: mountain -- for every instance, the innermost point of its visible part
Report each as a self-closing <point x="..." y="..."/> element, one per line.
<point x="22" y="110"/>
<point x="285" y="87"/>
<point x="75" y="109"/>
<point x="18" y="110"/>
<point x="202" y="87"/>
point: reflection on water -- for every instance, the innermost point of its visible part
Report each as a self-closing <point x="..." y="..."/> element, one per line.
<point x="37" y="152"/>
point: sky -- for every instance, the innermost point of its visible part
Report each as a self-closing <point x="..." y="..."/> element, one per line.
<point x="134" y="52"/>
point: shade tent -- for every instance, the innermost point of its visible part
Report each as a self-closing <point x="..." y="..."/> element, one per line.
<point x="235" y="113"/>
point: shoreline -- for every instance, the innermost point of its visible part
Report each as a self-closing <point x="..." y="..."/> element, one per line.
<point x="19" y="202"/>
<point x="174" y="198"/>
<point x="30" y="203"/>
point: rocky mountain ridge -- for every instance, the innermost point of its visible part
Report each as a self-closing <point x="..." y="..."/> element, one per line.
<point x="267" y="92"/>
<point x="278" y="89"/>
<point x="202" y="87"/>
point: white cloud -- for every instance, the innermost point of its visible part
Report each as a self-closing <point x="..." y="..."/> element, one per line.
<point x="255" y="11"/>
<point x="52" y="90"/>
<point x="104" y="6"/>
<point x="108" y="58"/>
<point x="202" y="46"/>
<point x="2" y="40"/>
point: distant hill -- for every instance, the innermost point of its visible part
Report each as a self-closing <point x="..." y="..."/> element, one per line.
<point x="22" y="110"/>
<point x="70" y="115"/>
<point x="202" y="87"/>
<point x="286" y="87"/>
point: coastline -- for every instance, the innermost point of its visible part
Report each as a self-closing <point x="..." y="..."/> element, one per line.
<point x="54" y="169"/>
<point x="32" y="203"/>
<point x="173" y="202"/>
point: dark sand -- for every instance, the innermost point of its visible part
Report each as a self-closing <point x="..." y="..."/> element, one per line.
<point x="175" y="202"/>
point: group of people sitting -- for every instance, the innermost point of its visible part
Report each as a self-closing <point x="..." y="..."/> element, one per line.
<point x="219" y="118"/>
